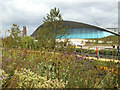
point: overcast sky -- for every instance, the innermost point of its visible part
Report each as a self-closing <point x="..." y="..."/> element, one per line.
<point x="30" y="13"/>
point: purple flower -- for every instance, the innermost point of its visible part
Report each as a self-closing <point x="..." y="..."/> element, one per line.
<point x="12" y="76"/>
<point x="76" y="66"/>
<point x="3" y="77"/>
<point x="20" y="54"/>
<point x="75" y="72"/>
<point x="75" y="61"/>
<point x="64" y="53"/>
<point x="6" y="59"/>
<point x="80" y="58"/>
<point x="18" y="80"/>
<point x="5" y="69"/>
<point x="56" y="58"/>
<point x="74" y="52"/>
<point x="69" y="62"/>
<point x="52" y="81"/>
<point x="87" y="55"/>
<point x="87" y="62"/>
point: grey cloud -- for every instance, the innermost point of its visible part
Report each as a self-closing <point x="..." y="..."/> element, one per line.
<point x="31" y="12"/>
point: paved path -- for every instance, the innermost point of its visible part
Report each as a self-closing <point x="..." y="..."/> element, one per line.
<point x="102" y="59"/>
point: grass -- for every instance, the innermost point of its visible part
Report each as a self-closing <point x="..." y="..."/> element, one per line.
<point x="79" y="72"/>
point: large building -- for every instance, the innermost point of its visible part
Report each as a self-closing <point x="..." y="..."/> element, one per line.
<point x="82" y="31"/>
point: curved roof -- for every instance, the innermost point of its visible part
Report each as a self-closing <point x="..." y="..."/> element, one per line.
<point x="76" y="25"/>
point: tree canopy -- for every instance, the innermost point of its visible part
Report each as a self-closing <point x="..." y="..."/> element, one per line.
<point x="52" y="29"/>
<point x="28" y="42"/>
<point x="14" y="40"/>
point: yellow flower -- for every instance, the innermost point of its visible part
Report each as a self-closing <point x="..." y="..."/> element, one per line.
<point x="106" y="68"/>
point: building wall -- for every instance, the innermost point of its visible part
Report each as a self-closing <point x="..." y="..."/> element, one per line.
<point x="85" y="33"/>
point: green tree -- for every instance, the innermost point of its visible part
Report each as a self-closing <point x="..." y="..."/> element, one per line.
<point x="15" y="39"/>
<point x="7" y="42"/>
<point x="52" y="29"/>
<point x="28" y="42"/>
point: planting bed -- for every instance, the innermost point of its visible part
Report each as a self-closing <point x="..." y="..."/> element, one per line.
<point x="43" y="69"/>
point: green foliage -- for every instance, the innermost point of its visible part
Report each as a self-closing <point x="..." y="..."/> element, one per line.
<point x="52" y="29"/>
<point x="4" y="77"/>
<point x="65" y="46"/>
<point x="7" y="42"/>
<point x="32" y="68"/>
<point x="28" y="79"/>
<point x="113" y="39"/>
<point x="107" y="40"/>
<point x="28" y="42"/>
<point x="102" y="52"/>
<point x="14" y="40"/>
<point x="88" y="42"/>
<point x="96" y="41"/>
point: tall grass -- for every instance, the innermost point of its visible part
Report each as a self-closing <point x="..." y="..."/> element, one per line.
<point x="79" y="72"/>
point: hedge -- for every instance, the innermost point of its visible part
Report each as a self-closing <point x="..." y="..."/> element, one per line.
<point x="102" y="52"/>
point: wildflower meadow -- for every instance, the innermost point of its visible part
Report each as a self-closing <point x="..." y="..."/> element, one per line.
<point x="42" y="69"/>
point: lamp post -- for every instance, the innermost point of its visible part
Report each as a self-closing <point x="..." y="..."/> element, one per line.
<point x="97" y="49"/>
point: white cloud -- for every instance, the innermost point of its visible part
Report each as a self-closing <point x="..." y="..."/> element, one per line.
<point x="30" y="13"/>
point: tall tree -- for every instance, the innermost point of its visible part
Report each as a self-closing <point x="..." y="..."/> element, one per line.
<point x="52" y="29"/>
<point x="15" y="36"/>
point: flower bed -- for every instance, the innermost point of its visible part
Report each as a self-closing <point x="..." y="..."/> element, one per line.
<point x="27" y="68"/>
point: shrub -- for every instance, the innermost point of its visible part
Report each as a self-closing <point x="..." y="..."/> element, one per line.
<point x="4" y="77"/>
<point x="26" y="79"/>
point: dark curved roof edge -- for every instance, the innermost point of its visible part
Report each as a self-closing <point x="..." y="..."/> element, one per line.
<point x="73" y="24"/>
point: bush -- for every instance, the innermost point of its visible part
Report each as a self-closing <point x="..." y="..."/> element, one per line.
<point x="28" y="79"/>
<point x="102" y="52"/>
<point x="4" y="77"/>
<point x="28" y="42"/>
